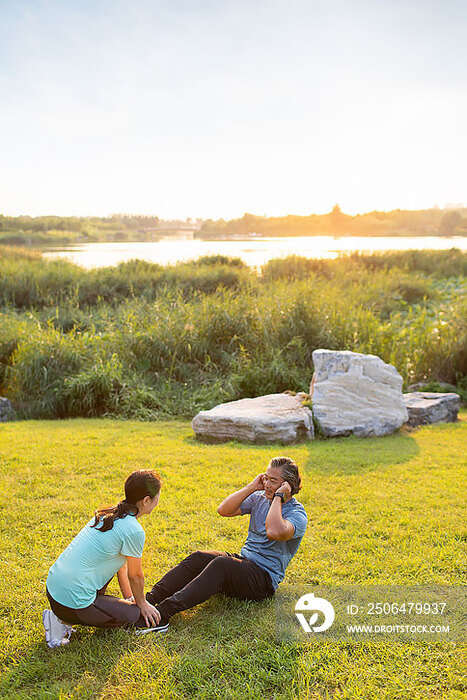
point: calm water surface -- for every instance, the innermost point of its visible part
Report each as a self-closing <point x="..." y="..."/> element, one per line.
<point x="253" y="251"/>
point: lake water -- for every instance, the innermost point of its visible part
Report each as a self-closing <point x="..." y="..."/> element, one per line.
<point x="253" y="251"/>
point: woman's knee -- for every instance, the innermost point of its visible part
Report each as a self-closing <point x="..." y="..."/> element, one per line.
<point x="130" y="614"/>
<point x="107" y="611"/>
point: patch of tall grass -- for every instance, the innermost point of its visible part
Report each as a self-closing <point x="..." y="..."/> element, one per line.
<point x="140" y="340"/>
<point x="14" y="330"/>
<point x="31" y="282"/>
<point x="441" y="263"/>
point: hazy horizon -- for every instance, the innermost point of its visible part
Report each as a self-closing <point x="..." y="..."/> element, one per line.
<point x="212" y="109"/>
<point x="446" y="207"/>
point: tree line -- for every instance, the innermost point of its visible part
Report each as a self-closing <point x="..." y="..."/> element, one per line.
<point x="376" y="223"/>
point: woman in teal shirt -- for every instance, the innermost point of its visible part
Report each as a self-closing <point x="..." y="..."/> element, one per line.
<point x="110" y="543"/>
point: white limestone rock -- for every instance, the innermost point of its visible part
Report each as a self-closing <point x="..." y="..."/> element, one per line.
<point x="427" y="407"/>
<point x="270" y="418"/>
<point x="357" y="394"/>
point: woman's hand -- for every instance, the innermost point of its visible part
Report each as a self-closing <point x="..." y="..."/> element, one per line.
<point x="151" y="615"/>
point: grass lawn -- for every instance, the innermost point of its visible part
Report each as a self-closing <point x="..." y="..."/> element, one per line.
<point x="384" y="510"/>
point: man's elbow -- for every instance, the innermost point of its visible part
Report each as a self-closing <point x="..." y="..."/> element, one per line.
<point x="278" y="534"/>
<point x="274" y="534"/>
<point x="227" y="512"/>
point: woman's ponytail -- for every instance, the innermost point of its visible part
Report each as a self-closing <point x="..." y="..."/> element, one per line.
<point x="108" y="515"/>
<point x="141" y="483"/>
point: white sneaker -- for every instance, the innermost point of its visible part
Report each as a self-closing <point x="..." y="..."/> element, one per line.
<point x="161" y="629"/>
<point x="56" y="631"/>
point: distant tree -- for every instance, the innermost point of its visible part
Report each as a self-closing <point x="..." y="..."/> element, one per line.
<point x="338" y="220"/>
<point x="449" y="222"/>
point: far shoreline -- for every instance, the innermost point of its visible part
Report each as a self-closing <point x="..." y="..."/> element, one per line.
<point x="48" y="244"/>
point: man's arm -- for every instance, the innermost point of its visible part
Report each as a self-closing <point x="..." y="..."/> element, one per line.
<point x="277" y="527"/>
<point x="230" y="506"/>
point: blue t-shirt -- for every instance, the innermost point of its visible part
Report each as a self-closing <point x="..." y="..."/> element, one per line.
<point x="271" y="555"/>
<point x="92" y="559"/>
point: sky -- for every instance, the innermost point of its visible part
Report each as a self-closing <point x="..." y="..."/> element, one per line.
<point x="213" y="108"/>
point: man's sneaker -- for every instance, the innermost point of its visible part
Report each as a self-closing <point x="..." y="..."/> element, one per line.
<point x="56" y="631"/>
<point x="161" y="629"/>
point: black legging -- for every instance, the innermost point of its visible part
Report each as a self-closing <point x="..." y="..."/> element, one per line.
<point x="105" y="611"/>
<point x="204" y="573"/>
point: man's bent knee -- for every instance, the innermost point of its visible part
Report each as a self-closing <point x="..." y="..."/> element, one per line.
<point x="222" y="563"/>
<point x="200" y="558"/>
<point x="205" y="554"/>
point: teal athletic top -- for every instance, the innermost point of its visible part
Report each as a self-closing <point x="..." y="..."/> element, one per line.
<point x="92" y="559"/>
<point x="271" y="555"/>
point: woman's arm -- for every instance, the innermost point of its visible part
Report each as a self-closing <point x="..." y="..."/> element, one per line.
<point x="230" y="506"/>
<point x="123" y="582"/>
<point x="136" y="580"/>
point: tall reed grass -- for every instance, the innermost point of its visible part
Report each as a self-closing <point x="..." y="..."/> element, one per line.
<point x="140" y="340"/>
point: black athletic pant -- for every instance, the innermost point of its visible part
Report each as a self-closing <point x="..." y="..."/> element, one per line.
<point x="204" y="573"/>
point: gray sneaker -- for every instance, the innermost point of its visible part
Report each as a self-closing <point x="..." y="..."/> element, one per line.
<point x="57" y="632"/>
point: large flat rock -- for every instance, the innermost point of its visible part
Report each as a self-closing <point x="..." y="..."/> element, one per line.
<point x="357" y="394"/>
<point x="270" y="418"/>
<point x="427" y="407"/>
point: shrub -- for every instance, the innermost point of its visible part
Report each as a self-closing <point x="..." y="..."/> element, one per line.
<point x="218" y="260"/>
<point x="442" y="263"/>
<point x="95" y="391"/>
<point x="295" y="267"/>
<point x="13" y="331"/>
<point x="30" y="283"/>
<point x="39" y="367"/>
<point x="268" y="372"/>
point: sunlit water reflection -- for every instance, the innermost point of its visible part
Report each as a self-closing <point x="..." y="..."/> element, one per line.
<point x="253" y="251"/>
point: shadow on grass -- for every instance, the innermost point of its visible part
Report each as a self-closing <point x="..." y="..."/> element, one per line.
<point x="225" y="645"/>
<point x="87" y="663"/>
<point x="352" y="455"/>
<point x="346" y="455"/>
<point x="193" y="441"/>
<point x="221" y="636"/>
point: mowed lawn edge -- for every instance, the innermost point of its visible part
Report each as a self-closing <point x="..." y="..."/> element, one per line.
<point x="384" y="510"/>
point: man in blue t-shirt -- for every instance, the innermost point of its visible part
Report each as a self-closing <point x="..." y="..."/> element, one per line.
<point x="277" y="524"/>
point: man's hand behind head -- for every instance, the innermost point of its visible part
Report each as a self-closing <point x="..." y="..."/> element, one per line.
<point x="258" y="482"/>
<point x="286" y="489"/>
